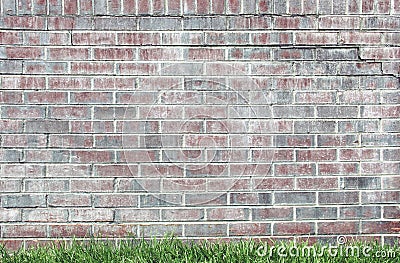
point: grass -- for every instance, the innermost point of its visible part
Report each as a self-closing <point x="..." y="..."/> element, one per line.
<point x="173" y="250"/>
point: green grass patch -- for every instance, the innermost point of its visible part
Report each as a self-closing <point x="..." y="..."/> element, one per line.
<point x="173" y="250"/>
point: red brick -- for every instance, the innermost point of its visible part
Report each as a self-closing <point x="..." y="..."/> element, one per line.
<point x="143" y="7"/>
<point x="228" y="184"/>
<point x="69" y="200"/>
<point x="114" y="83"/>
<point x="24" y="22"/>
<point x="203" y="7"/>
<point x="129" y="7"/>
<point x="312" y="38"/>
<point x="45" y="97"/>
<point x="315" y="97"/>
<point x="338" y="168"/>
<point x="113" y="200"/>
<point x="182" y="214"/>
<point x="10" y="97"/>
<point x="221" y="214"/>
<point x="205" y="54"/>
<point x="90" y="215"/>
<point x="360" y="38"/>
<point x="316" y="155"/>
<point x="139" y="39"/>
<point x="45" y="215"/>
<point x="174" y="7"/>
<point x="133" y="156"/>
<point x="68" y="53"/>
<point x="184" y="185"/>
<point x="137" y="215"/>
<point x="141" y="69"/>
<point x="381" y="112"/>
<point x="297" y="169"/>
<point x="115" y="230"/>
<point x="71" y="7"/>
<point x="114" y="7"/>
<point x="274" y="184"/>
<point x="69" y="112"/>
<point x="114" y="53"/>
<point x="98" y="185"/>
<point x="339" y="22"/>
<point x="380" y="168"/>
<point x="92" y="97"/>
<point x="22" y="112"/>
<point x="35" y="231"/>
<point x="160" y="54"/>
<point x="19" y="140"/>
<point x="338" y="228"/>
<point x="233" y="6"/>
<point x="92" y="156"/>
<point x="71" y="141"/>
<point x="358" y="154"/>
<point x="382" y="227"/>
<point x="294" y="229"/>
<point x="249" y="54"/>
<point x="297" y="22"/>
<point x="24" y="53"/>
<point x="317" y="183"/>
<point x="10" y="37"/>
<point x="273" y="155"/>
<point x="95" y="68"/>
<point x="253" y="22"/>
<point x="391" y="212"/>
<point x="66" y="83"/>
<point x="12" y="244"/>
<point x="69" y="230"/>
<point x="45" y="68"/>
<point x="98" y="38"/>
<point x="10" y="126"/>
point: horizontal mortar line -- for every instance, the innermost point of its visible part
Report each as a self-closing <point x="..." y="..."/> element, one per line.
<point x="188" y="15"/>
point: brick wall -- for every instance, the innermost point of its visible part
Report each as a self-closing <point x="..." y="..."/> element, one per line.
<point x="209" y="119"/>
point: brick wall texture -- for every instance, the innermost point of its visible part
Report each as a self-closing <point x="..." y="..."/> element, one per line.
<point x="203" y="118"/>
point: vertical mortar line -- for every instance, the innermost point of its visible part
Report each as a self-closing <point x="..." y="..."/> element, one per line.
<point x="47" y="8"/>
<point x="78" y="6"/>
<point x="287" y="6"/>
<point x="63" y="7"/>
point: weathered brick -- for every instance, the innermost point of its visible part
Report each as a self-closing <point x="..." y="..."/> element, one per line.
<point x="46" y="126"/>
<point x="45" y="215"/>
<point x="338" y="198"/>
<point x="137" y="215"/>
<point x="364" y="183"/>
<point x="70" y="230"/>
<point x="89" y="215"/>
<point x="23" y="200"/>
<point x="160" y="230"/>
<point x="69" y="200"/>
<point x="115" y="23"/>
<point x="160" y="23"/>
<point x="249" y="229"/>
<point x="299" y="228"/>
<point x="40" y="186"/>
<point x="205" y="230"/>
<point x="295" y="198"/>
<point x="25" y="231"/>
<point x="360" y="212"/>
<point x="316" y="213"/>
<point x="338" y="228"/>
